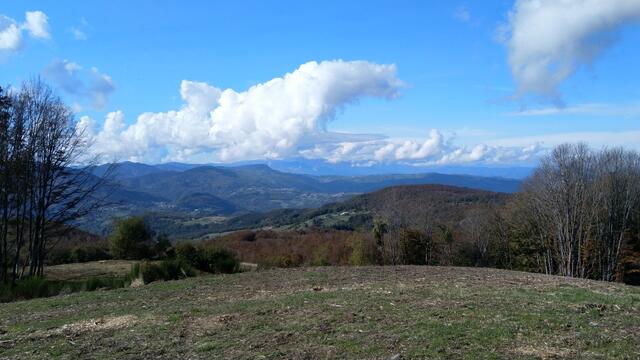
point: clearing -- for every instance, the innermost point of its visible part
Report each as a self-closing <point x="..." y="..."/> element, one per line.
<point x="334" y="312"/>
<point x="86" y="270"/>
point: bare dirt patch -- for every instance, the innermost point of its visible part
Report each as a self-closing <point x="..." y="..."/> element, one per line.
<point x="109" y="323"/>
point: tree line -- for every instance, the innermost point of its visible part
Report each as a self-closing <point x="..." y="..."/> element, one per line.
<point x="581" y="207"/>
<point x="577" y="215"/>
<point x="41" y="186"/>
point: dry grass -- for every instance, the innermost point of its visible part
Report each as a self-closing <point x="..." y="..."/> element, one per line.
<point x="83" y="271"/>
<point x="334" y="313"/>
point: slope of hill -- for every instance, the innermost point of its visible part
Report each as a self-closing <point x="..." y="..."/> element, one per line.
<point x="334" y="312"/>
<point x="414" y="200"/>
<point x="411" y="203"/>
<point x="164" y="194"/>
<point x="205" y="202"/>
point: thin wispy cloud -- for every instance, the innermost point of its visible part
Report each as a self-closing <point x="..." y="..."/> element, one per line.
<point x="462" y="14"/>
<point x="79" y="31"/>
<point x="595" y="109"/>
<point x="627" y="139"/>
<point x="85" y="85"/>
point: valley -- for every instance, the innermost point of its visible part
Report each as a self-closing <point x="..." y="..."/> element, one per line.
<point x="179" y="202"/>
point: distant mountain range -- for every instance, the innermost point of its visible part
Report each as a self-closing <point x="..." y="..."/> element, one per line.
<point x="195" y="191"/>
<point x="259" y="187"/>
<point x="322" y="168"/>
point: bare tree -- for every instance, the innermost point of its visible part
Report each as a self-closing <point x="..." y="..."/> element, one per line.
<point x="5" y="177"/>
<point x="561" y="205"/>
<point x="616" y="192"/>
<point x="475" y="227"/>
<point x="41" y="186"/>
<point x="380" y="229"/>
<point x="428" y="225"/>
<point x="580" y="204"/>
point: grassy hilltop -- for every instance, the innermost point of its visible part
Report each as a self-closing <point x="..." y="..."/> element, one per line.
<point x="334" y="312"/>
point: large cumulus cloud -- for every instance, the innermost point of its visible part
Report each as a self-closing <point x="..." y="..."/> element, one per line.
<point x="269" y="120"/>
<point x="284" y="117"/>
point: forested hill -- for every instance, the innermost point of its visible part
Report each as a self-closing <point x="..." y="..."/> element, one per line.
<point x="260" y="188"/>
<point x="411" y="204"/>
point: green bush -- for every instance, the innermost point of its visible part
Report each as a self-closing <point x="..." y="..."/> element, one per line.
<point x="217" y="261"/>
<point x="186" y="253"/>
<point x="164" y="270"/>
<point x="210" y="260"/>
<point x="320" y="256"/>
<point x="363" y="252"/>
<point x="78" y="254"/>
<point x="131" y="239"/>
<point x="35" y="287"/>
<point x="113" y="282"/>
<point x="415" y="246"/>
<point x="162" y="246"/>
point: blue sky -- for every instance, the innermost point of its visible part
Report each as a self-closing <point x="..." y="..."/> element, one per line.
<point x="453" y="65"/>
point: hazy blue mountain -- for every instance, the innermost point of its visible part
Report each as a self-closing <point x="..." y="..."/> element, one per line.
<point x="321" y="167"/>
<point x="259" y="187"/>
<point x="176" y="166"/>
<point x="126" y="170"/>
<point x="174" y="191"/>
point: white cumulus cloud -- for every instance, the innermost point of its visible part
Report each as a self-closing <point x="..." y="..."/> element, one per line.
<point x="433" y="150"/>
<point x="284" y="117"/>
<point x="37" y="23"/>
<point x="274" y="119"/>
<point x="547" y="40"/>
<point x="11" y="37"/>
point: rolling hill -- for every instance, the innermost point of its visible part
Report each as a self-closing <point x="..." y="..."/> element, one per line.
<point x="411" y="203"/>
<point x="175" y="193"/>
<point x="260" y="188"/>
<point x="205" y="202"/>
<point x="445" y="205"/>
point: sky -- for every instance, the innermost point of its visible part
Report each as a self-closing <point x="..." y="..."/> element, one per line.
<point x="360" y="82"/>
